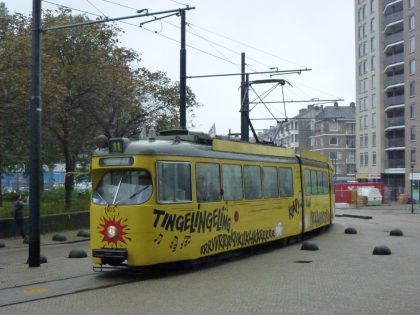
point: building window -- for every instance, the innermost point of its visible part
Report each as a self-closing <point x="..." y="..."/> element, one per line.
<point x="361" y="159"/>
<point x="361" y="141"/>
<point x="373" y="6"/>
<point x="373" y="120"/>
<point x="373" y="158"/>
<point x="411" y="4"/>
<point x="362" y="13"/>
<point x="413" y="156"/>
<point x="413" y="133"/>
<point x="412" y="69"/>
<point x="413" y="110"/>
<point x="366" y="159"/>
<point x="411" y="45"/>
<point x="373" y="99"/>
<point x="372" y="44"/>
<point x="333" y="140"/>
<point x="373" y="139"/>
<point x="411" y="23"/>
<point x="413" y="88"/>
<point x="365" y="124"/>
<point x="372" y="63"/>
<point x="372" y="25"/>
<point x="333" y="125"/>
<point x="366" y="140"/>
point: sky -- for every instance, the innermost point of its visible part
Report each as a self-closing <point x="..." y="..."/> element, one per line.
<point x="315" y="36"/>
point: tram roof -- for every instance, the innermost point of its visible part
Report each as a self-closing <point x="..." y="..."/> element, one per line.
<point x="216" y="148"/>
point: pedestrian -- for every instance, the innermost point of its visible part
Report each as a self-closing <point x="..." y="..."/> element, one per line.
<point x="17" y="214"/>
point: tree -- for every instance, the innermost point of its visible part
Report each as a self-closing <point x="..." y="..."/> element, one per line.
<point x="14" y="92"/>
<point x="90" y="85"/>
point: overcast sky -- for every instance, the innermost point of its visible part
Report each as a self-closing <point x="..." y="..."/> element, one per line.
<point x="287" y="34"/>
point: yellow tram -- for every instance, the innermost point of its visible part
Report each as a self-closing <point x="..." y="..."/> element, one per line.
<point x="184" y="196"/>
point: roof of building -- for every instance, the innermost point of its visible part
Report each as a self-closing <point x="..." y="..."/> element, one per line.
<point x="337" y="112"/>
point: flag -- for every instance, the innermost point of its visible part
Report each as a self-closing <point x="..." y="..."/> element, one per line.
<point x="212" y="131"/>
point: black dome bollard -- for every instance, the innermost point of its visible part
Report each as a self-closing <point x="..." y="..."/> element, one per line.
<point x="350" y="230"/>
<point x="42" y="259"/>
<point x="59" y="238"/>
<point x="381" y="250"/>
<point x="309" y="246"/>
<point x="83" y="233"/>
<point x="396" y="232"/>
<point x="77" y="253"/>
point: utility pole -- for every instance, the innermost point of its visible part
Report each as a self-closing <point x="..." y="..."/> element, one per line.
<point x="244" y="101"/>
<point x="183" y="76"/>
<point x="35" y="140"/>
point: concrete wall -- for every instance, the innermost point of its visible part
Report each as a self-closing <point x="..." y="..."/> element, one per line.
<point x="49" y="223"/>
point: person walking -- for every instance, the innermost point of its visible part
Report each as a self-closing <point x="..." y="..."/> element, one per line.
<point x="17" y="213"/>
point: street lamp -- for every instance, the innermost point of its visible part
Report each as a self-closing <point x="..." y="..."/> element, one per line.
<point x="411" y="186"/>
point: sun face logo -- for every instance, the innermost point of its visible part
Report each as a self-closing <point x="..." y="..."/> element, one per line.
<point x="114" y="230"/>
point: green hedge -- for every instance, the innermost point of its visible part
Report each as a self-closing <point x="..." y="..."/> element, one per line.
<point x="52" y="202"/>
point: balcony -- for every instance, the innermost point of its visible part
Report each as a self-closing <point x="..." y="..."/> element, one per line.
<point x="394" y="100"/>
<point x="396" y="16"/>
<point x="394" y="38"/>
<point x="393" y="59"/>
<point x="386" y="2"/>
<point x="395" y="5"/>
<point x="395" y="163"/>
<point x="393" y="80"/>
<point x="395" y="121"/>
<point x="398" y="142"/>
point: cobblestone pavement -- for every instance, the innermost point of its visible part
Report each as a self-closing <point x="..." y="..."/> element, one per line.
<point x="342" y="277"/>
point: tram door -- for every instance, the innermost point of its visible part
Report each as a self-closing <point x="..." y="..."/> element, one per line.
<point x="317" y="204"/>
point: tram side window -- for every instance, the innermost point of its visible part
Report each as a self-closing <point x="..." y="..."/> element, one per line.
<point x="232" y="182"/>
<point x="252" y="178"/>
<point x="320" y="182"/>
<point x="207" y="182"/>
<point x="174" y="182"/>
<point x="325" y="182"/>
<point x="270" y="182"/>
<point x="286" y="182"/>
<point x="314" y="183"/>
<point x="307" y="181"/>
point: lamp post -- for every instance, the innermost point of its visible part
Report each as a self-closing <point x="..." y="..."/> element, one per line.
<point x="411" y="186"/>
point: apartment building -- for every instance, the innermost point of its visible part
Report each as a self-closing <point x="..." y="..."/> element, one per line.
<point x="387" y="45"/>
<point x="295" y="132"/>
<point x="333" y="134"/>
<point x="329" y="130"/>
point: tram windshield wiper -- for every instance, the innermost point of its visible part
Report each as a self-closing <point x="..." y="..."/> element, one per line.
<point x="100" y="196"/>
<point x="140" y="190"/>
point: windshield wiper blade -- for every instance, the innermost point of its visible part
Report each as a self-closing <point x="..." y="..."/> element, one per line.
<point x="133" y="195"/>
<point x="118" y="190"/>
<point x="101" y="197"/>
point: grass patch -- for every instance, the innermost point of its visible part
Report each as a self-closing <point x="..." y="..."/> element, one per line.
<point x="52" y="202"/>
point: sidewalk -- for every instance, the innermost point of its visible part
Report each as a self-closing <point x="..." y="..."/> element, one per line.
<point x="71" y="236"/>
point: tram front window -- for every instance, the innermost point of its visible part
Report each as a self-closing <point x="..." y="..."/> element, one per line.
<point x="123" y="188"/>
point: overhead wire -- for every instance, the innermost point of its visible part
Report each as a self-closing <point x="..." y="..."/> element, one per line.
<point x="137" y="26"/>
<point x="193" y="27"/>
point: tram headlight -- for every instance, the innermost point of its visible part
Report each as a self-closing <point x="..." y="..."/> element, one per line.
<point x="112" y="231"/>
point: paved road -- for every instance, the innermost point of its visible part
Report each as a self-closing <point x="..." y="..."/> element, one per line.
<point x="343" y="277"/>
